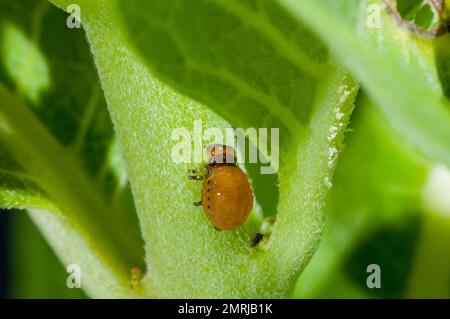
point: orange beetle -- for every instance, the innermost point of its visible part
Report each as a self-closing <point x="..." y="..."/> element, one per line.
<point x="227" y="197"/>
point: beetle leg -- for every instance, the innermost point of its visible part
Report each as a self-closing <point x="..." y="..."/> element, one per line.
<point x="197" y="170"/>
<point x="197" y="204"/>
<point x="195" y="177"/>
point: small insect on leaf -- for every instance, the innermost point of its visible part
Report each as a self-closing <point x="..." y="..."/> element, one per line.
<point x="227" y="197"/>
<point x="428" y="18"/>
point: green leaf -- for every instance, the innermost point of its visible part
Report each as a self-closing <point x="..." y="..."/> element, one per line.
<point x="406" y="77"/>
<point x="217" y="65"/>
<point x="375" y="187"/>
<point x="377" y="214"/>
<point x="58" y="152"/>
<point x="254" y="66"/>
<point x="396" y="67"/>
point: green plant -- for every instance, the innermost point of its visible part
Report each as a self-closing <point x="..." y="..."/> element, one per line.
<point x="109" y="197"/>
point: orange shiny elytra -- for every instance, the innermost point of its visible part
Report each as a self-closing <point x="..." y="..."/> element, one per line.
<point x="227" y="197"/>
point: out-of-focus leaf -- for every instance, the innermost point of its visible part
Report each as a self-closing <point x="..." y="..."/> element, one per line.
<point x="58" y="153"/>
<point x="395" y="66"/>
<point x="35" y="271"/>
<point x="429" y="18"/>
<point x="377" y="189"/>
<point x="442" y="57"/>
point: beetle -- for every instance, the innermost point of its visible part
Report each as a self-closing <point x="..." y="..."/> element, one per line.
<point x="227" y="195"/>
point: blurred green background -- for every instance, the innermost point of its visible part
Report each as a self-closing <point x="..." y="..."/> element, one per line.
<point x="29" y="267"/>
